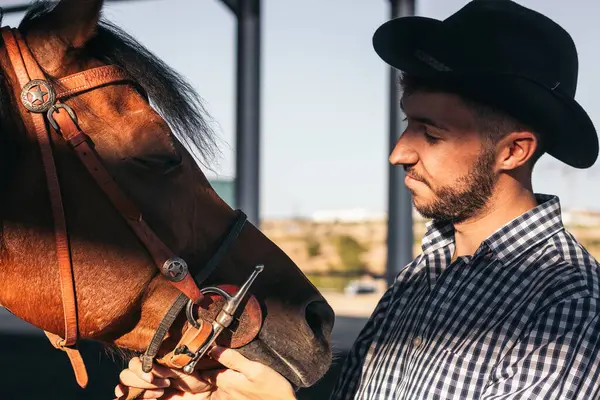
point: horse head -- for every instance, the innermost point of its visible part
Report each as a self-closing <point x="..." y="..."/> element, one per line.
<point x="148" y="132"/>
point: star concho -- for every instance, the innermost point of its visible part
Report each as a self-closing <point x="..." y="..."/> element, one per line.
<point x="175" y="269"/>
<point x="38" y="96"/>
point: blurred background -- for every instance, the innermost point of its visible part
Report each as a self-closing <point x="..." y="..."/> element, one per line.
<point x="306" y="153"/>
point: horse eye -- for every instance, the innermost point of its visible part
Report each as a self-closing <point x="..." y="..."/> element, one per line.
<point x="162" y="164"/>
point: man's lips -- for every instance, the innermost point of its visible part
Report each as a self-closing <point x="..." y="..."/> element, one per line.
<point x="412" y="177"/>
<point x="408" y="179"/>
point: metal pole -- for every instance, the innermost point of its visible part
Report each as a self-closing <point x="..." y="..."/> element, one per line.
<point x="18" y="8"/>
<point x="400" y="221"/>
<point x="247" y="182"/>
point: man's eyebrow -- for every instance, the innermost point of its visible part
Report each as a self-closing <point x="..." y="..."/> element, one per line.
<point x="430" y="122"/>
<point x="423" y="120"/>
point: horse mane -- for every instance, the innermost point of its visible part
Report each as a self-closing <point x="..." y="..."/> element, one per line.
<point x="168" y="92"/>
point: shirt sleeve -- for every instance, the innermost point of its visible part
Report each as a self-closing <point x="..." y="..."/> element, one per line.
<point x="557" y="358"/>
<point x="350" y="374"/>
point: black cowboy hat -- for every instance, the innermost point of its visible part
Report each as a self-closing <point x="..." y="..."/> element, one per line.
<point x="505" y="56"/>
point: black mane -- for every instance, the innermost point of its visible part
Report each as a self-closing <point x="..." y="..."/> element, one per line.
<point x="169" y="93"/>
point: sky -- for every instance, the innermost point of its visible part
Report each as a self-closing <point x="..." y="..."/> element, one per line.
<point x="324" y="100"/>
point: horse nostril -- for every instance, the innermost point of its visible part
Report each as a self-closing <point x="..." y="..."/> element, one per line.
<point x="319" y="317"/>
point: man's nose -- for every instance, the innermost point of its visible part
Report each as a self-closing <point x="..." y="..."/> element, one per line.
<point x="403" y="153"/>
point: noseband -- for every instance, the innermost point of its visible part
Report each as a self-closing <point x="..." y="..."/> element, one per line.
<point x="41" y="104"/>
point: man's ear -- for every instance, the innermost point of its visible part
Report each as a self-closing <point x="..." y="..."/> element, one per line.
<point x="70" y="24"/>
<point x="516" y="149"/>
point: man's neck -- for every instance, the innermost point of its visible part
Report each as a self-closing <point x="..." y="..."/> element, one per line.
<point x="503" y="207"/>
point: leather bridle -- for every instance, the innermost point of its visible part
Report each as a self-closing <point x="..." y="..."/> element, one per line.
<point x="41" y="104"/>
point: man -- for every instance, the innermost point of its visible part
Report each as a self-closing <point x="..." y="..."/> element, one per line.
<point x="503" y="303"/>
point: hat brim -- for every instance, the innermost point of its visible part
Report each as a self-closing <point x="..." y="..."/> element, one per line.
<point x="568" y="132"/>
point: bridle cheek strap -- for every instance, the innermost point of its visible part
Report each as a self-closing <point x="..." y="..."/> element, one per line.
<point x="25" y="70"/>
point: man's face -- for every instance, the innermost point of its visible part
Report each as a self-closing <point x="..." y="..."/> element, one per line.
<point x="449" y="165"/>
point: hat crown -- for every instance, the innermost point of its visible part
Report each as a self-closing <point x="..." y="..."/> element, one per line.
<point x="501" y="36"/>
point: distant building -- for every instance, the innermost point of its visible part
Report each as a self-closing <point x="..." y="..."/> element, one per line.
<point x="352" y="215"/>
<point x="225" y="188"/>
<point x="581" y="218"/>
<point x="355" y="215"/>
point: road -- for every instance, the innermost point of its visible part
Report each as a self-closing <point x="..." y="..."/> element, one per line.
<point x="30" y="368"/>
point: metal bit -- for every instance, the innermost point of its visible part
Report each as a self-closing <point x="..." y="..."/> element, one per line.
<point x="225" y="316"/>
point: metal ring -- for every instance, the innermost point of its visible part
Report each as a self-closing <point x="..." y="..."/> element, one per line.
<point x="189" y="308"/>
<point x="54" y="109"/>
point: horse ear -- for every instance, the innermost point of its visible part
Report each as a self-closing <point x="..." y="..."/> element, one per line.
<point x="76" y="20"/>
<point x="73" y="21"/>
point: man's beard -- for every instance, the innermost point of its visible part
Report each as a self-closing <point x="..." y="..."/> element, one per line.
<point x="466" y="197"/>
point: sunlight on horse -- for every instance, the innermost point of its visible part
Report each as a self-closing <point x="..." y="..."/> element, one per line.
<point x="121" y="295"/>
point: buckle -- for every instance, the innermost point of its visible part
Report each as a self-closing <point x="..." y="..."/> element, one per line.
<point x="54" y="108"/>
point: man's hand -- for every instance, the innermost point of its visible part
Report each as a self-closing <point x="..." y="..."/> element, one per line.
<point x="162" y="383"/>
<point x="243" y="379"/>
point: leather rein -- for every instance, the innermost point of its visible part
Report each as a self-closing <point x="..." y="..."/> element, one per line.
<point x="41" y="105"/>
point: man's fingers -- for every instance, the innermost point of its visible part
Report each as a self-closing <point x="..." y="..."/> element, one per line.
<point x="131" y="379"/>
<point x="200" y="382"/>
<point x="206" y="363"/>
<point x="193" y="384"/>
<point x="222" y="378"/>
<point x="122" y="391"/>
<point x="232" y="359"/>
<point x="153" y="394"/>
<point x="180" y="380"/>
<point x="135" y="364"/>
<point x="175" y="394"/>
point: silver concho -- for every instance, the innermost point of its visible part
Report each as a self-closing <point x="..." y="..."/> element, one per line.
<point x="38" y="96"/>
<point x="175" y="269"/>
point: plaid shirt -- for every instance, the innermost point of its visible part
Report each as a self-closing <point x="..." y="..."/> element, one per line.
<point x="519" y="319"/>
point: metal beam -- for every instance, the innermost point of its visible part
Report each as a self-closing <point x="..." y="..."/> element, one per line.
<point x="233" y="5"/>
<point x="18" y="8"/>
<point x="247" y="156"/>
<point x="400" y="222"/>
<point x="247" y="181"/>
<point x="15" y="9"/>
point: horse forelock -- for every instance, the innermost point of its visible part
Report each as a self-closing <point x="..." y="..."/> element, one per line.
<point x="172" y="96"/>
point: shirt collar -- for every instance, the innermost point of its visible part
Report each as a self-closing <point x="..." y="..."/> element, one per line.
<point x="438" y="235"/>
<point x="511" y="240"/>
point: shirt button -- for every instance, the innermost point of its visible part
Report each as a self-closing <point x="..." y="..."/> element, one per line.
<point x="417" y="341"/>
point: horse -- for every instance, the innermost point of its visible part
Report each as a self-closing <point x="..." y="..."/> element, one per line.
<point x="107" y="217"/>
